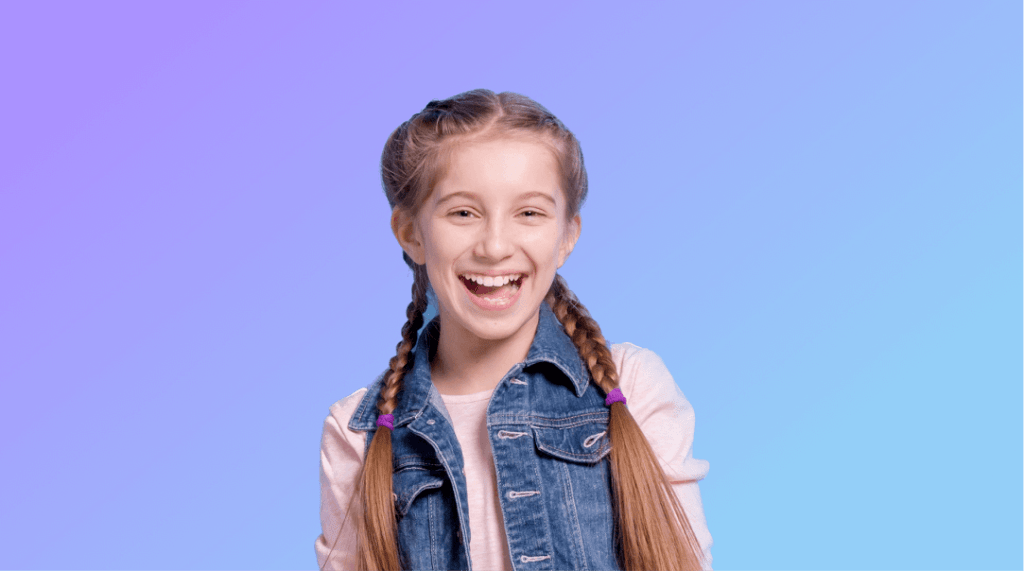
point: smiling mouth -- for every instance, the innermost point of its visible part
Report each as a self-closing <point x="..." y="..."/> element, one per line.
<point x="480" y="290"/>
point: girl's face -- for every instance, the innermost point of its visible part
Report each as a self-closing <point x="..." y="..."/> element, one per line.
<point x="498" y="213"/>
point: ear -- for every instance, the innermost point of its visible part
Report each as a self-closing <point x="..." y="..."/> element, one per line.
<point x="404" y="227"/>
<point x="572" y="234"/>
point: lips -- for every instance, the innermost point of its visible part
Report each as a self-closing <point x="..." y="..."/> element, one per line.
<point x="493" y="298"/>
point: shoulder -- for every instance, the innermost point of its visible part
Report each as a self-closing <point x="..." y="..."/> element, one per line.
<point x="660" y="409"/>
<point x="338" y="438"/>
<point x="631" y="354"/>
<point x="620" y="350"/>
<point x="640" y="368"/>
<point x="646" y="382"/>
<point x="343" y="409"/>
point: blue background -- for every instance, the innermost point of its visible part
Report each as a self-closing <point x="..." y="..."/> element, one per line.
<point x="810" y="210"/>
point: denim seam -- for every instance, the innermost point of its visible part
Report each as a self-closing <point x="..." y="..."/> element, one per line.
<point x="548" y="536"/>
<point x="588" y="458"/>
<point x="455" y="491"/>
<point x="548" y="422"/>
<point x="539" y="418"/>
<point x="432" y="526"/>
<point x="574" y="519"/>
<point x="414" y="461"/>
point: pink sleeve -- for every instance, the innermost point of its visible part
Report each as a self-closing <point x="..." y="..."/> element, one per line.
<point x="666" y="418"/>
<point x="341" y="457"/>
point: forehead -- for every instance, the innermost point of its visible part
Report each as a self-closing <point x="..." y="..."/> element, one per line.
<point x="500" y="166"/>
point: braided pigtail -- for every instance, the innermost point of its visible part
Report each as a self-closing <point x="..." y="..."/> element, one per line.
<point x="378" y="532"/>
<point x="651" y="529"/>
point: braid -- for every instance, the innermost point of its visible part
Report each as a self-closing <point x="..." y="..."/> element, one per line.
<point x="585" y="334"/>
<point x="400" y="362"/>
<point x="378" y="534"/>
<point x="651" y="529"/>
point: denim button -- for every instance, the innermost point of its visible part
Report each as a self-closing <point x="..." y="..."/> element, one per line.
<point x="431" y="421"/>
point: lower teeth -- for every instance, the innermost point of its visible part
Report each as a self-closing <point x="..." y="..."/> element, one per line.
<point x="497" y="294"/>
<point x="506" y="291"/>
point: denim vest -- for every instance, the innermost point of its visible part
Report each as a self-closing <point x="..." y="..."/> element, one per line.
<point x="546" y="422"/>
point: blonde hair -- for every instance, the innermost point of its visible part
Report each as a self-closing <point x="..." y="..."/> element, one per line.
<point x="651" y="528"/>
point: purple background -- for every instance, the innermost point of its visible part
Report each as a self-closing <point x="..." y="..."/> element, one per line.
<point x="810" y="210"/>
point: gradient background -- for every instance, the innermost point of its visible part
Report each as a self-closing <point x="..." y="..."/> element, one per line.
<point x="810" y="210"/>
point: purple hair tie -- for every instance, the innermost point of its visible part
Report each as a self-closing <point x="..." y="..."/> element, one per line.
<point x="387" y="420"/>
<point x="614" y="395"/>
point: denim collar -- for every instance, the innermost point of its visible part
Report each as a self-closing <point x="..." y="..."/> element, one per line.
<point x="550" y="344"/>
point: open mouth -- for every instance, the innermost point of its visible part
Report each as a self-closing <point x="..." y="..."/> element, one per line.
<point x="496" y="292"/>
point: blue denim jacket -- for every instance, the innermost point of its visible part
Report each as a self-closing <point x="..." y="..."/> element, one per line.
<point x="546" y="421"/>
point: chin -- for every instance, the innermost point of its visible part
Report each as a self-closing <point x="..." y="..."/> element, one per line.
<point x="502" y="325"/>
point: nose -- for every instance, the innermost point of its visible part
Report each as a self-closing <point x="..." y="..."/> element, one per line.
<point x="496" y="243"/>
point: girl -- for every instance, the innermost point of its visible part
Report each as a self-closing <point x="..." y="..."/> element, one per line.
<point x="500" y="437"/>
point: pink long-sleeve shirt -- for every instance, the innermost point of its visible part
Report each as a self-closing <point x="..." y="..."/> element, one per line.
<point x="653" y="398"/>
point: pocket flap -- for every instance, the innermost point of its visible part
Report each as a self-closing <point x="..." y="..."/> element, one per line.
<point x="585" y="443"/>
<point x="411" y="482"/>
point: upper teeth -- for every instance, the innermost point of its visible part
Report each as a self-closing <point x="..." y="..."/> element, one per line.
<point x="490" y="281"/>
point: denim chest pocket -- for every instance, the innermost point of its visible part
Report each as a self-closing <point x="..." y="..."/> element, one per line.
<point x="584" y="443"/>
<point x="413" y="480"/>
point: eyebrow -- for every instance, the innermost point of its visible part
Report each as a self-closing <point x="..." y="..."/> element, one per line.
<point x="524" y="196"/>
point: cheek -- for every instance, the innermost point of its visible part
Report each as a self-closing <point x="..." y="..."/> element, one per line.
<point x="438" y="246"/>
<point x="441" y="250"/>
<point x="543" y="245"/>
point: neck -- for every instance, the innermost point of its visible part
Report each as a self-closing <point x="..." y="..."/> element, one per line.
<point x="466" y="364"/>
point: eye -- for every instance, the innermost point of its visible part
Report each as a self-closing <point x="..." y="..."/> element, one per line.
<point x="533" y="213"/>
<point x="460" y="213"/>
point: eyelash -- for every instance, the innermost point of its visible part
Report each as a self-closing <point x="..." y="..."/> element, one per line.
<point x="537" y="213"/>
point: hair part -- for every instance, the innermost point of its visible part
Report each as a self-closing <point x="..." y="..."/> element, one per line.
<point x="417" y="154"/>
<point x="651" y="528"/>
